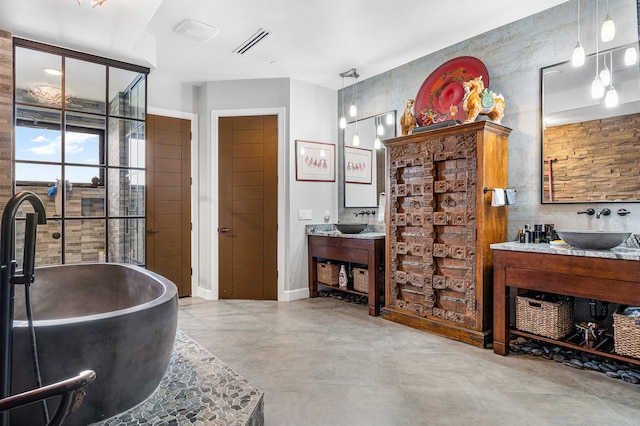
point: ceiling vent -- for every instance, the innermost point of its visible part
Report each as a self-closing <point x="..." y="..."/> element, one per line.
<point x="256" y="38"/>
<point x="196" y="30"/>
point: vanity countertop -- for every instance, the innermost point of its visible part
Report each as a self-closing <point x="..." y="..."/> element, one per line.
<point x="372" y="232"/>
<point x="620" y="252"/>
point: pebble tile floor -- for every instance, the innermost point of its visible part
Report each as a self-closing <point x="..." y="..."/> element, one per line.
<point x="327" y="362"/>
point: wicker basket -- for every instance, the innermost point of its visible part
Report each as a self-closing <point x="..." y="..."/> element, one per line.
<point x="626" y="335"/>
<point x="361" y="280"/>
<point x="329" y="273"/>
<point x="543" y="318"/>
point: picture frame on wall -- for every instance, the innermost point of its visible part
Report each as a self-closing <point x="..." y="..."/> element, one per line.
<point x="315" y="161"/>
<point x="357" y="165"/>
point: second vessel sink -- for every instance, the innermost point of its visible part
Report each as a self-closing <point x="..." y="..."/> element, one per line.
<point x="350" y="228"/>
<point x="593" y="240"/>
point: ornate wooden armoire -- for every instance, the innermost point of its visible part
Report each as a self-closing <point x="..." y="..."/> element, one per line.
<point x="440" y="224"/>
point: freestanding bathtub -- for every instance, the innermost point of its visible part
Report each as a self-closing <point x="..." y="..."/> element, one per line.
<point x="118" y="320"/>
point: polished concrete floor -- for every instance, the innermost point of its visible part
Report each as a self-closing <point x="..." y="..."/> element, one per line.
<point x="326" y="362"/>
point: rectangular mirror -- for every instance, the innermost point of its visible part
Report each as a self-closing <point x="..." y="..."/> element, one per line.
<point x="363" y="182"/>
<point x="590" y="146"/>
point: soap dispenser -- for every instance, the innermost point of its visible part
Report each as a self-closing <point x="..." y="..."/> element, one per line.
<point x="342" y="277"/>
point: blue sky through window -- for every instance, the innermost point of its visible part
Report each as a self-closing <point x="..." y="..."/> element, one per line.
<point x="37" y="144"/>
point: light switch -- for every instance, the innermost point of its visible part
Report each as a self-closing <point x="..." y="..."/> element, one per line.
<point x="305" y="215"/>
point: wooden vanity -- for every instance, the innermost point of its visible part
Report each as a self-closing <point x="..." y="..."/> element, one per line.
<point x="365" y="249"/>
<point x="610" y="275"/>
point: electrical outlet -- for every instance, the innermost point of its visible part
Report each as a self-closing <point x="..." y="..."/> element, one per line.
<point x="305" y="215"/>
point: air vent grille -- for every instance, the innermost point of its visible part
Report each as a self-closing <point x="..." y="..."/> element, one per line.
<point x="256" y="38"/>
<point x="196" y="30"/>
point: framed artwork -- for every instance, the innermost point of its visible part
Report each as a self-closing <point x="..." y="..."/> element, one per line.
<point x="357" y="165"/>
<point x="315" y="161"/>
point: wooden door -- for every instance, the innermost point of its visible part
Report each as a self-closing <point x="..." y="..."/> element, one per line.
<point x="168" y="202"/>
<point x="248" y="207"/>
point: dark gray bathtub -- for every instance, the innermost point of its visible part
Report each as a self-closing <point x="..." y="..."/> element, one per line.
<point x="118" y="320"/>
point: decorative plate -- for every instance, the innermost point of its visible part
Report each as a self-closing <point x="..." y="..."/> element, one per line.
<point x="440" y="96"/>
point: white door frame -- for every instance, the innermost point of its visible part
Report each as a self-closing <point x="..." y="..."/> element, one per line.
<point x="215" y="114"/>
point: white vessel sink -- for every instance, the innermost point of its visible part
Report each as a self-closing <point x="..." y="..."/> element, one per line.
<point x="593" y="240"/>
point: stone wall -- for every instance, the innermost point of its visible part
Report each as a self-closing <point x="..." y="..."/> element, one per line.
<point x="588" y="154"/>
<point x="6" y="117"/>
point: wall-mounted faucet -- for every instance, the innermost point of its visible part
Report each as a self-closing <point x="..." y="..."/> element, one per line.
<point x="603" y="212"/>
<point x="590" y="212"/>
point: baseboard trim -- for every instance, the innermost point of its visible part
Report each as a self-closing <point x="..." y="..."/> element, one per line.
<point x="207" y="294"/>
<point x="291" y="295"/>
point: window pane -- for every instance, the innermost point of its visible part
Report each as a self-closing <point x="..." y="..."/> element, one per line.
<point x="43" y="180"/>
<point x="126" y="241"/>
<point x="86" y="83"/>
<point x="84" y="139"/>
<point x="126" y="192"/>
<point x="83" y="198"/>
<point x="123" y="98"/>
<point x="38" y="134"/>
<point x="85" y="240"/>
<point x="126" y="143"/>
<point x="48" y="243"/>
<point x="38" y="77"/>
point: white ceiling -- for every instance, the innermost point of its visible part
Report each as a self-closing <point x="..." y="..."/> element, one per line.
<point x="312" y="41"/>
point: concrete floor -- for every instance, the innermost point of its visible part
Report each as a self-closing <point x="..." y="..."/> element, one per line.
<point x="326" y="362"/>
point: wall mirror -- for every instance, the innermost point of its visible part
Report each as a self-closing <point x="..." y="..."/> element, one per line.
<point x="591" y="149"/>
<point x="364" y="163"/>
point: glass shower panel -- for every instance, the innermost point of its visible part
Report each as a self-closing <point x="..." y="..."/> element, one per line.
<point x="38" y="78"/>
<point x="126" y="241"/>
<point x="48" y="243"/>
<point x="126" y="192"/>
<point x="86" y="83"/>
<point x="38" y="134"/>
<point x="126" y="143"/>
<point x="82" y="197"/>
<point x="84" y="240"/>
<point x="126" y="93"/>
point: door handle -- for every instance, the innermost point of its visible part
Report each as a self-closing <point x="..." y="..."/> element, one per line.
<point x="151" y="231"/>
<point x="223" y="230"/>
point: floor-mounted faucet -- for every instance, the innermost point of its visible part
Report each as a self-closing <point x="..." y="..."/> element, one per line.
<point x="7" y="273"/>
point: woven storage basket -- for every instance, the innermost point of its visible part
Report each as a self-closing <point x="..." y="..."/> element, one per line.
<point x="626" y="335"/>
<point x="361" y="280"/>
<point x="328" y="273"/>
<point x="548" y="319"/>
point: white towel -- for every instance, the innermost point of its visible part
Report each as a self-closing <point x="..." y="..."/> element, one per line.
<point x="381" y="207"/>
<point x="510" y="196"/>
<point x="497" y="198"/>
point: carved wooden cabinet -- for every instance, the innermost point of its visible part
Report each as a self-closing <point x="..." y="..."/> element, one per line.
<point x="440" y="224"/>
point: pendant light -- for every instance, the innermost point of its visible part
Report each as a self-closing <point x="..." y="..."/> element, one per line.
<point x="630" y="56"/>
<point x="353" y="110"/>
<point x="597" y="87"/>
<point x="608" y="31"/>
<point x="343" y="119"/>
<point x="379" y="132"/>
<point x="611" y="100"/>
<point x="577" y="59"/>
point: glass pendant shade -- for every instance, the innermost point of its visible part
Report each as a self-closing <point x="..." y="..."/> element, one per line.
<point x="611" y="100"/>
<point x="608" y="31"/>
<point x="630" y="56"/>
<point x="578" y="55"/>
<point x="376" y="143"/>
<point x="343" y="122"/>
<point x="356" y="139"/>
<point x="389" y="119"/>
<point x="597" y="88"/>
<point x="380" y="130"/>
<point x="353" y="111"/>
<point x="605" y="76"/>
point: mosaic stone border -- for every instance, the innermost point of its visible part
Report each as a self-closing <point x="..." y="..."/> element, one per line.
<point x="198" y="389"/>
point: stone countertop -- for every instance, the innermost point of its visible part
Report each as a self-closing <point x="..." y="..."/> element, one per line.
<point x="371" y="232"/>
<point x="620" y="252"/>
